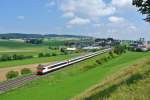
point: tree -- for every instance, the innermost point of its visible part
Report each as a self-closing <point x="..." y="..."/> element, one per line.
<point x="25" y="71"/>
<point x="40" y="55"/>
<point x="119" y="49"/>
<point x="143" y="7"/>
<point x="12" y="74"/>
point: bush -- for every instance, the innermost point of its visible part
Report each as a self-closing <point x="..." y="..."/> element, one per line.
<point x="54" y="54"/>
<point x="105" y="59"/>
<point x="98" y="62"/>
<point x="12" y="74"/>
<point x="119" y="49"/>
<point x="111" y="54"/>
<point x="47" y="55"/>
<point x="41" y="55"/>
<point x="25" y="71"/>
<point x="87" y="67"/>
<point x="5" y="57"/>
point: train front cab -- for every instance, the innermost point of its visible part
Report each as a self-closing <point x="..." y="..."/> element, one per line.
<point x="40" y="70"/>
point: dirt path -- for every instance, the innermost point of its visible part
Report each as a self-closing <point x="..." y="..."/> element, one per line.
<point x="32" y="67"/>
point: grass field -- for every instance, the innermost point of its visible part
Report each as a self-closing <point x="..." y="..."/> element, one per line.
<point x="130" y="84"/>
<point x="10" y="47"/>
<point x="71" y="81"/>
<point x="37" y="60"/>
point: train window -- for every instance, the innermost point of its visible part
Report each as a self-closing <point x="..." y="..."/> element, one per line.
<point x="58" y="64"/>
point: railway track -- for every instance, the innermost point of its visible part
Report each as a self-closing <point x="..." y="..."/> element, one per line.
<point x="15" y="83"/>
<point x="18" y="82"/>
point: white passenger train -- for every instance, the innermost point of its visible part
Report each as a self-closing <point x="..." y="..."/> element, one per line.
<point x="43" y="69"/>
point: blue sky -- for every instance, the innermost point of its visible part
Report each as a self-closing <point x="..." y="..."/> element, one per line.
<point x="98" y="18"/>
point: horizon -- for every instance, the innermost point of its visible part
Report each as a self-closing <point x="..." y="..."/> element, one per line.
<point x="96" y="18"/>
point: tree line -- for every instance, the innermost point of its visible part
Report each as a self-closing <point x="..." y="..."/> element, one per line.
<point x="6" y="57"/>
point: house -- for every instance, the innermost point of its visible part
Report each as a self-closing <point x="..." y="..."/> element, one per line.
<point x="71" y="49"/>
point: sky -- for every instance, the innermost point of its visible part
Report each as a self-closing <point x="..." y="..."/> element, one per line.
<point x="98" y="18"/>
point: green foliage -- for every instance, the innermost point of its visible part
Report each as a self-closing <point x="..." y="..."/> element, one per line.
<point x="34" y="41"/>
<point x="111" y="54"/>
<point x="54" y="54"/>
<point x="119" y="49"/>
<point x="25" y="71"/>
<point x="98" y="61"/>
<point x="6" y="57"/>
<point x="12" y="74"/>
<point x="143" y="7"/>
<point x="40" y="55"/>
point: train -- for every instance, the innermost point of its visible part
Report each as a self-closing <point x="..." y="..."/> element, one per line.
<point x="44" y="69"/>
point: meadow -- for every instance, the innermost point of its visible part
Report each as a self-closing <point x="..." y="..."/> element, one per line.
<point x="130" y="84"/>
<point x="11" y="47"/>
<point x="71" y="81"/>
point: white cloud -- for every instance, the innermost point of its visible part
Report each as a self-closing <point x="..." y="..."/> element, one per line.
<point x="50" y="3"/>
<point x="132" y="28"/>
<point x="97" y="25"/>
<point x="92" y="9"/>
<point x="122" y="3"/>
<point x="21" y="17"/>
<point x="77" y="21"/>
<point x="68" y="15"/>
<point x="115" y="19"/>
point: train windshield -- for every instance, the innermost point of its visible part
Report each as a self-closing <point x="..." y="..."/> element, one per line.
<point x="40" y="68"/>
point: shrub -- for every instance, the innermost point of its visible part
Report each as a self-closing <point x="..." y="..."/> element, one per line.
<point x="41" y="55"/>
<point x="111" y="54"/>
<point x="47" y="55"/>
<point x="54" y="54"/>
<point x="12" y="74"/>
<point x="98" y="62"/>
<point x="5" y="57"/>
<point x="105" y="59"/>
<point x="119" y="49"/>
<point x="25" y="71"/>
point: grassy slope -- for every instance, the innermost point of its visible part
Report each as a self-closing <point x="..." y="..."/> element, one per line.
<point x="130" y="84"/>
<point x="137" y="91"/>
<point x="69" y="82"/>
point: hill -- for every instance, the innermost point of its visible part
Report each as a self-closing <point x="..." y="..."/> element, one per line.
<point x="22" y="35"/>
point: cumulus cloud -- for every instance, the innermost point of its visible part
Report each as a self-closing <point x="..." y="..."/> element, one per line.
<point x="91" y="9"/>
<point x="77" y="21"/>
<point x="50" y="3"/>
<point x="132" y="28"/>
<point x="115" y="19"/>
<point x="68" y="15"/>
<point x="98" y="16"/>
<point x="122" y="3"/>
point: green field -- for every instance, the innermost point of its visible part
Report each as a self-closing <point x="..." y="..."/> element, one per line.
<point x="10" y="47"/>
<point x="37" y="60"/>
<point x="71" y="81"/>
<point x="130" y="84"/>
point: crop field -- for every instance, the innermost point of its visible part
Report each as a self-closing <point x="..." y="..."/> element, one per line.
<point x="11" y="47"/>
<point x="71" y="81"/>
